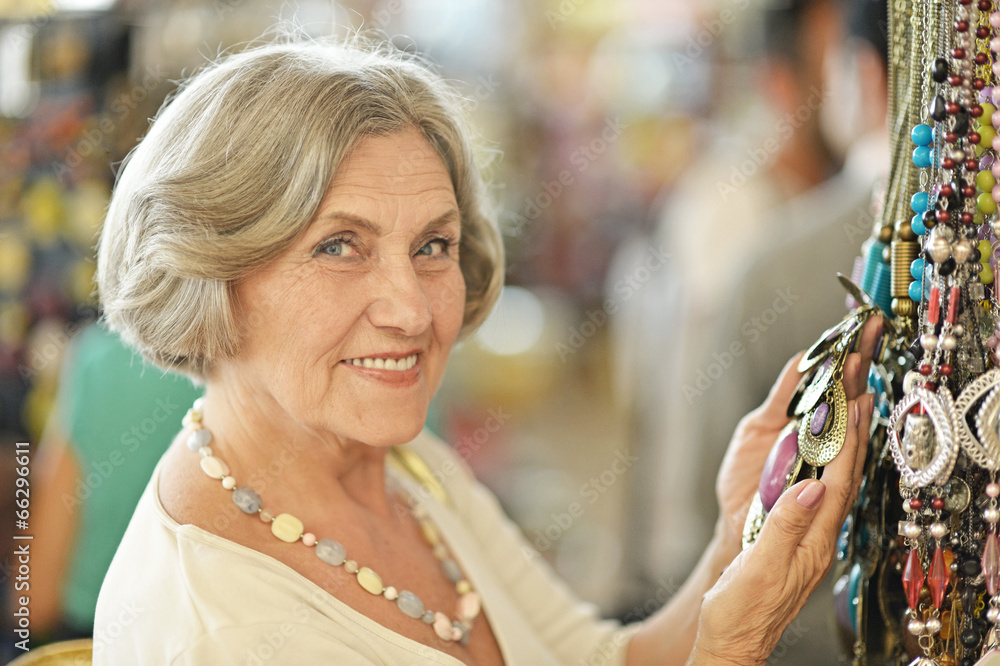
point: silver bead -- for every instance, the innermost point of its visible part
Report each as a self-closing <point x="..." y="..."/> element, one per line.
<point x="993" y="614"/>
<point x="911" y="530"/>
<point x="958" y="330"/>
<point x="949" y="342"/>
<point x="915" y="627"/>
<point x="961" y="251"/>
<point x="991" y="514"/>
<point x="940" y="249"/>
<point x="938" y="529"/>
<point x="928" y="341"/>
<point x="958" y="155"/>
<point x="932" y="625"/>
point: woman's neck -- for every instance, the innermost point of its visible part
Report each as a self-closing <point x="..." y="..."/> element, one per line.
<point x="268" y="450"/>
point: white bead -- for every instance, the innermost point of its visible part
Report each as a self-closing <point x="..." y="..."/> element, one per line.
<point x="228" y="482"/>
<point x="915" y="627"/>
<point x="933" y="625"/>
<point x="992" y="489"/>
<point x="940" y="250"/>
<point x="911" y="530"/>
<point x="991" y="514"/>
<point x="993" y="614"/>
<point x="928" y="341"/>
<point x="961" y="251"/>
<point x="938" y="529"/>
<point x="958" y="330"/>
<point x="949" y="342"/>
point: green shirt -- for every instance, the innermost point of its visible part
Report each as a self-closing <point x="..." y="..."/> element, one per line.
<point x="120" y="414"/>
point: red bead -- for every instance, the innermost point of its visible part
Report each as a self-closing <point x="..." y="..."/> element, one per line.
<point x="961" y="25"/>
<point x="916" y="504"/>
<point x="952" y="108"/>
<point x="937" y="579"/>
<point x="974" y="137"/>
<point x="967" y="218"/>
<point x="973" y="165"/>
<point x="930" y="386"/>
<point x="947" y="190"/>
<point x="913" y="578"/>
<point x="955" y="80"/>
<point x="981" y="59"/>
<point x="978" y="84"/>
<point x="982" y="32"/>
<point x="926" y="370"/>
<point x="953" y="297"/>
<point x="946" y="369"/>
<point x="937" y="503"/>
<point x="958" y="53"/>
<point x="942" y="215"/>
<point x="968" y="191"/>
<point x="950" y="137"/>
<point x="934" y="305"/>
<point x="985" y="5"/>
<point x="948" y="163"/>
<point x="976" y="111"/>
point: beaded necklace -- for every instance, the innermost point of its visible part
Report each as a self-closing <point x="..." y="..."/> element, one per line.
<point x="290" y="529"/>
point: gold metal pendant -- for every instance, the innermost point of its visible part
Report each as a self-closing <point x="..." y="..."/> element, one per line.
<point x="823" y="430"/>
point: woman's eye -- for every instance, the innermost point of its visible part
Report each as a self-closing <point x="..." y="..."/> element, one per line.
<point x="435" y="247"/>
<point x="337" y="248"/>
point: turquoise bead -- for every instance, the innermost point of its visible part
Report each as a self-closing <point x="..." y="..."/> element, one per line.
<point x="917" y="224"/>
<point x="922" y="156"/>
<point x="916" y="291"/>
<point x="917" y="269"/>
<point x="918" y="202"/>
<point x="922" y="135"/>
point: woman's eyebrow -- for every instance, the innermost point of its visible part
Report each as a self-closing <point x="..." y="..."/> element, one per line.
<point x="451" y="215"/>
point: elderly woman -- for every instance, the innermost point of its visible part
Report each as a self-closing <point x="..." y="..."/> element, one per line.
<point x="305" y="231"/>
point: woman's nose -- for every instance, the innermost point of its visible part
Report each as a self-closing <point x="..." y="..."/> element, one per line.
<point x="399" y="301"/>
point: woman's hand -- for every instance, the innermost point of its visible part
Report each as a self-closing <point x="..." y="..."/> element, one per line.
<point x="756" y="433"/>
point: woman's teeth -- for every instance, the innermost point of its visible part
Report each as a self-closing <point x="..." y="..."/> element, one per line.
<point x="385" y="363"/>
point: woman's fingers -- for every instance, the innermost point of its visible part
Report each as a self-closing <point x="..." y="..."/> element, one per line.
<point x="776" y="405"/>
<point x="856" y="370"/>
<point x="788" y="522"/>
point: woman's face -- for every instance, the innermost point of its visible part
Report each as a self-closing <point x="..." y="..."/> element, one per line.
<point x="348" y="332"/>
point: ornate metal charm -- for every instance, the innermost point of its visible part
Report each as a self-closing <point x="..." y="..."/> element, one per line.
<point x="984" y="449"/>
<point x="824" y="429"/>
<point x="926" y="450"/>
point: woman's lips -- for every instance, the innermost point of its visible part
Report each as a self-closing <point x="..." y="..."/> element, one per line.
<point x="397" y="371"/>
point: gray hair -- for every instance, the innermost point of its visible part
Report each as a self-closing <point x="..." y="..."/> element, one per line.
<point x="234" y="169"/>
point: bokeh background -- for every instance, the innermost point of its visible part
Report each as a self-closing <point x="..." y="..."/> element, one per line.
<point x="644" y="154"/>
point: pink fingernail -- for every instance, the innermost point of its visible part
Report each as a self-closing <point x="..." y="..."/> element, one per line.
<point x="811" y="495"/>
<point x="857" y="413"/>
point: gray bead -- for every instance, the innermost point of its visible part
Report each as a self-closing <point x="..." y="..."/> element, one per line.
<point x="330" y="551"/>
<point x="410" y="604"/>
<point x="451" y="570"/>
<point x="429" y="617"/>
<point x="198" y="439"/>
<point x="247" y="499"/>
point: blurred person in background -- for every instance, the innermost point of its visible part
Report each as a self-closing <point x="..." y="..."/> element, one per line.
<point x="113" y="419"/>
<point x="719" y="214"/>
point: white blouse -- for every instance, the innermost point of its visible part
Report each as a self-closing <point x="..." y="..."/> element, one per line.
<point x="176" y="594"/>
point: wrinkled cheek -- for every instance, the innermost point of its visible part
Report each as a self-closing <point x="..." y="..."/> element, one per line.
<point x="447" y="304"/>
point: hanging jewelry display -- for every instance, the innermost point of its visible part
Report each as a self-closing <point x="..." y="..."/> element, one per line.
<point x="918" y="559"/>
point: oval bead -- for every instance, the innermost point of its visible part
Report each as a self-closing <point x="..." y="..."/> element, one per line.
<point x="442" y="626"/>
<point x="822" y="413"/>
<point x="922" y="157"/>
<point x="985" y="181"/>
<point x="918" y="202"/>
<point x="287" y="527"/>
<point x="330" y="551"/>
<point x="918" y="226"/>
<point x="247" y="499"/>
<point x="214" y="467"/>
<point x="410" y="604"/>
<point x="370" y="581"/>
<point x="427" y="617"/>
<point x="198" y="439"/>
<point x="451" y="570"/>
<point x="780" y="463"/>
<point x="469" y="606"/>
<point x="430" y="533"/>
<point x="986" y="204"/>
<point x="915" y="291"/>
<point x="917" y="269"/>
